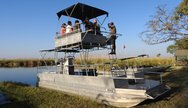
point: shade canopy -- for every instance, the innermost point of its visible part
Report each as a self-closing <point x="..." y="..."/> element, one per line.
<point x="82" y="11"/>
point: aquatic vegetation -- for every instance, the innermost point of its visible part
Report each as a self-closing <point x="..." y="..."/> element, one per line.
<point x="101" y="62"/>
<point x="137" y="62"/>
<point x="25" y="62"/>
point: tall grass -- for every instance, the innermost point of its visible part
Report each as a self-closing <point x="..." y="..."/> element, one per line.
<point x="138" y="62"/>
<point x="105" y="64"/>
<point x="147" y="62"/>
<point x="99" y="62"/>
<point x="24" y="62"/>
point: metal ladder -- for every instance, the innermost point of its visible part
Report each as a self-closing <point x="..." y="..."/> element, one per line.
<point x="112" y="58"/>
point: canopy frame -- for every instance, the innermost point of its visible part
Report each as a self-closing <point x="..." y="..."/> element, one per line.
<point x="85" y="10"/>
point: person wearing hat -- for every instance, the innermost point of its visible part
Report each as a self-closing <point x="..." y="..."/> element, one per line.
<point x="112" y="28"/>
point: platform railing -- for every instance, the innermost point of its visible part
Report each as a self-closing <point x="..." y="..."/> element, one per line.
<point x="59" y="35"/>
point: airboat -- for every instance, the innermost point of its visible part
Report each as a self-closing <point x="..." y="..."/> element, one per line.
<point x="119" y="87"/>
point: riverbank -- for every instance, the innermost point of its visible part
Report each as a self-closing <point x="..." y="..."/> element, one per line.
<point x="24" y="96"/>
<point x="177" y="79"/>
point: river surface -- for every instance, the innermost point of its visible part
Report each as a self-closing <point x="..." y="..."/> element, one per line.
<point x="24" y="75"/>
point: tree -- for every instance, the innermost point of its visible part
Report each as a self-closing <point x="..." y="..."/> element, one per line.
<point x="158" y="55"/>
<point x="179" y="45"/>
<point x="183" y="8"/>
<point x="165" y="26"/>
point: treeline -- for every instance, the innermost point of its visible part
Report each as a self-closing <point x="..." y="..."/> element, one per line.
<point x="25" y="62"/>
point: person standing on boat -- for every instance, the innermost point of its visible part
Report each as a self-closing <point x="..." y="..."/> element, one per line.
<point x="96" y="27"/>
<point x="112" y="28"/>
<point x="77" y="26"/>
<point x="69" y="28"/>
<point x="63" y="29"/>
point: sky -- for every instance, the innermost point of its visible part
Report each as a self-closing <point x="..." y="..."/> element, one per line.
<point x="28" y="26"/>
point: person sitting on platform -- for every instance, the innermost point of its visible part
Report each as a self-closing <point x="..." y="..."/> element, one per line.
<point x="88" y="25"/>
<point x="112" y="28"/>
<point x="96" y="27"/>
<point x="69" y="28"/>
<point x="77" y="26"/>
<point x="63" y="29"/>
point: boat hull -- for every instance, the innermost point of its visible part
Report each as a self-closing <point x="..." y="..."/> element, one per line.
<point x="100" y="89"/>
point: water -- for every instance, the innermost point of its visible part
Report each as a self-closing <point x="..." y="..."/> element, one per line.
<point x="24" y="75"/>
